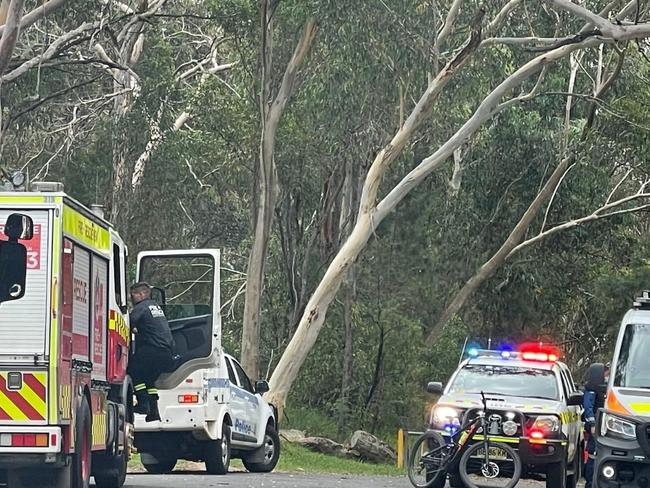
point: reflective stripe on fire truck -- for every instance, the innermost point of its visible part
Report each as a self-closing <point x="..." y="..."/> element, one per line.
<point x="27" y="403"/>
<point x="54" y="318"/>
<point x="118" y="324"/>
<point x="85" y="230"/>
<point x="99" y="430"/>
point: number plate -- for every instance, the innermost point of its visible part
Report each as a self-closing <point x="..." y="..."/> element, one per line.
<point x="496" y="453"/>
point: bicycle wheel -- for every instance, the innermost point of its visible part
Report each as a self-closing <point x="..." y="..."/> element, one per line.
<point x="427" y="463"/>
<point x="502" y="469"/>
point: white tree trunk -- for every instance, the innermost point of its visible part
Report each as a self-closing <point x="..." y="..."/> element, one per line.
<point x="13" y="14"/>
<point x="266" y="182"/>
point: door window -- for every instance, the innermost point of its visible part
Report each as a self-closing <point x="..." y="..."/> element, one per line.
<point x="231" y="372"/>
<point x="244" y="382"/>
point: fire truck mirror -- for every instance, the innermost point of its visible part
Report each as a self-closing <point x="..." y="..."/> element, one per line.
<point x="19" y="226"/>
<point x="13" y="257"/>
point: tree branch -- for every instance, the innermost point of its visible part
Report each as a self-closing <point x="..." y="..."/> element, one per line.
<point x="450" y="20"/>
<point x="50" y="52"/>
<point x="38" y="13"/>
<point x="10" y="34"/>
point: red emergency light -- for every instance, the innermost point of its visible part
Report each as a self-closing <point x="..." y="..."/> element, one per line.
<point x="539" y="352"/>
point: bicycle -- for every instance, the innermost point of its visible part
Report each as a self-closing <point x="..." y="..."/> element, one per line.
<point x="495" y="464"/>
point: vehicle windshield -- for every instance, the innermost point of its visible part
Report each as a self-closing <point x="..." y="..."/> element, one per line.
<point x="632" y="369"/>
<point x="506" y="380"/>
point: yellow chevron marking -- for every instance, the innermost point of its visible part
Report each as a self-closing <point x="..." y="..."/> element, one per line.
<point x="12" y="410"/>
<point x="36" y="402"/>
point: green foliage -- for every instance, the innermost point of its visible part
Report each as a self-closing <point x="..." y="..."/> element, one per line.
<point x="370" y="62"/>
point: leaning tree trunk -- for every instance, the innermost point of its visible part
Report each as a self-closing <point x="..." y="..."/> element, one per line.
<point x="371" y="215"/>
<point x="547" y="192"/>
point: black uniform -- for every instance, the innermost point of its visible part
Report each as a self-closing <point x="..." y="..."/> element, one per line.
<point x="153" y="347"/>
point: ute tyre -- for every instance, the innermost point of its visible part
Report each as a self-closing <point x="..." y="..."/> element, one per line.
<point x="82" y="458"/>
<point x="556" y="475"/>
<point x="455" y="481"/>
<point x="163" y="466"/>
<point x="217" y="453"/>
<point x="464" y="460"/>
<point x="271" y="449"/>
<point x="573" y="478"/>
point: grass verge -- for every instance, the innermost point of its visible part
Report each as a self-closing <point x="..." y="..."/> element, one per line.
<point x="297" y="459"/>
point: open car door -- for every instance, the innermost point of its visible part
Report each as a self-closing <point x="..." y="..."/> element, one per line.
<point x="186" y="283"/>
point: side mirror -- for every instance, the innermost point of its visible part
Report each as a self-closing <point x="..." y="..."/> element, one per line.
<point x="435" y="387"/>
<point x="158" y="295"/>
<point x="596" y="377"/>
<point x="19" y="227"/>
<point x="261" y="386"/>
<point x="575" y="399"/>
<point x="13" y="257"/>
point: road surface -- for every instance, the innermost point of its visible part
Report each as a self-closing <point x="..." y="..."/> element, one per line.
<point x="274" y="480"/>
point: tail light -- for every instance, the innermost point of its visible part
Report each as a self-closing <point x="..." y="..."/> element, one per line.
<point x="188" y="398"/>
<point x="24" y="440"/>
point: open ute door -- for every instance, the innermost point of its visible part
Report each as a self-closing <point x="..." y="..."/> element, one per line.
<point x="186" y="283"/>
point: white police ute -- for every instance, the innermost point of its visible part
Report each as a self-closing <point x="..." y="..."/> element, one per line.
<point x="533" y="405"/>
<point x="210" y="410"/>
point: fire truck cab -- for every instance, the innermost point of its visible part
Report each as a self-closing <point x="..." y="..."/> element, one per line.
<point x="65" y="398"/>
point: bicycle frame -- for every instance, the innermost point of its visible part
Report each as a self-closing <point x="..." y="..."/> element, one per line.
<point x="461" y="440"/>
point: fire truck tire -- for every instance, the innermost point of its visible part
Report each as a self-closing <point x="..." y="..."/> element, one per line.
<point x="82" y="459"/>
<point x="217" y="453"/>
<point x="112" y="474"/>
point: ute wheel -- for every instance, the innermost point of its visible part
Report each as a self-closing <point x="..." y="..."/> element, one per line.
<point x="82" y="458"/>
<point x="271" y="449"/>
<point x="163" y="466"/>
<point x="455" y="481"/>
<point x="556" y="475"/>
<point x="576" y="465"/>
<point x="217" y="453"/>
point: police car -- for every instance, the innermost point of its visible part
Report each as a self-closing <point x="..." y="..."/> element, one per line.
<point x="533" y="405"/>
<point x="214" y="415"/>
<point x="210" y="410"/>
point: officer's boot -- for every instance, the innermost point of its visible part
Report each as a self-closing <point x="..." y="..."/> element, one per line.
<point x="154" y="414"/>
<point x="142" y="405"/>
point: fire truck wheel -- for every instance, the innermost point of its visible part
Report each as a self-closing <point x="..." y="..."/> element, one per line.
<point x="81" y="460"/>
<point x="217" y="453"/>
<point x="112" y="473"/>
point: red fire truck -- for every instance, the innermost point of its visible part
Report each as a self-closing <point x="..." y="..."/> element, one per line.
<point x="65" y="397"/>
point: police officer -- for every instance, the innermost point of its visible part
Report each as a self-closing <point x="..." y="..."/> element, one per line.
<point x="594" y="398"/>
<point x="153" y="349"/>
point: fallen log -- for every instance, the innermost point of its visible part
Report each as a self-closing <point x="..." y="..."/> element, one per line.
<point x="372" y="449"/>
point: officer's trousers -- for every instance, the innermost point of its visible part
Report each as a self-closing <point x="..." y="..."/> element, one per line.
<point x="145" y="366"/>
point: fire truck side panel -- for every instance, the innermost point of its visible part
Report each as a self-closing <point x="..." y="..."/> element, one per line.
<point x="24" y="330"/>
<point x="23" y="323"/>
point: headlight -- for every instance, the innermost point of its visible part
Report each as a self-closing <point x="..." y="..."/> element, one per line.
<point x="445" y="418"/>
<point x="510" y="428"/>
<point x="617" y="427"/>
<point x="548" y="424"/>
